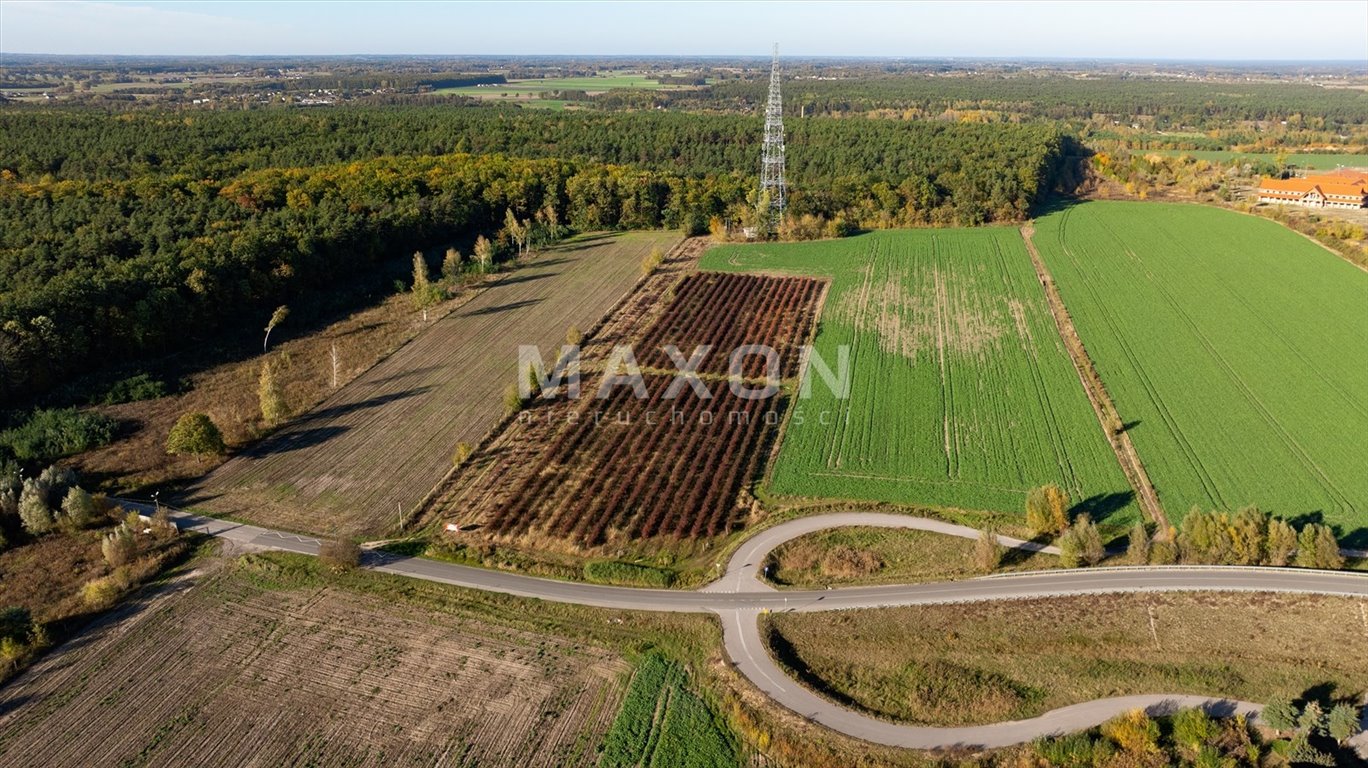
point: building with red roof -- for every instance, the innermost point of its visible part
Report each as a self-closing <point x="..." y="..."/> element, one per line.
<point x="1343" y="188"/>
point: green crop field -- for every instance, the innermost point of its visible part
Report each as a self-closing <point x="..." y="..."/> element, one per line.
<point x="961" y="392"/>
<point x="1237" y="348"/>
<point x="664" y="724"/>
<point x="1314" y="161"/>
<point x="530" y="90"/>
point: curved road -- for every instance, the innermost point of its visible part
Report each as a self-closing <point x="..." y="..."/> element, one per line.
<point x="739" y="598"/>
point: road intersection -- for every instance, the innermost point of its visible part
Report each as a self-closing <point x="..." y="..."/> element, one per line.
<point x="739" y="599"/>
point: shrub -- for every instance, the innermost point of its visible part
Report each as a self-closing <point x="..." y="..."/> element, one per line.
<point x="120" y="547"/>
<point x="1304" y="753"/>
<point x="451" y="265"/>
<point x="652" y="261"/>
<point x="33" y="508"/>
<point x="1081" y="544"/>
<point x="462" y="452"/>
<point x="134" y="388"/>
<point x="1138" y="545"/>
<point x="1279" y="714"/>
<point x="195" y="433"/>
<point x="101" y="593"/>
<point x="340" y="554"/>
<point x="987" y="551"/>
<point x="512" y="400"/>
<point x="1312" y="719"/>
<point x="1047" y="509"/>
<point x="15" y="622"/>
<point x="1192" y="728"/>
<point x="1343" y="723"/>
<point x="53" y="433"/>
<point x="1133" y="732"/>
<point x="78" y="509"/>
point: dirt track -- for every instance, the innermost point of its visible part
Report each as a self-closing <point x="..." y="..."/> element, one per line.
<point x="371" y="452"/>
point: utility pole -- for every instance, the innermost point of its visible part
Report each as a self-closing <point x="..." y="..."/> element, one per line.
<point x="772" y="155"/>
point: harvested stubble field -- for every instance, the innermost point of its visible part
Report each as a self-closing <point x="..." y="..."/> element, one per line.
<point x="383" y="441"/>
<point x="987" y="662"/>
<point x="961" y="392"/>
<point x="569" y="475"/>
<point x="1235" y="349"/>
<point x="249" y="667"/>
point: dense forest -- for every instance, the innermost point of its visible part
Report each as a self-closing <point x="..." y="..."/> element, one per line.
<point x="1167" y="102"/>
<point x="129" y="235"/>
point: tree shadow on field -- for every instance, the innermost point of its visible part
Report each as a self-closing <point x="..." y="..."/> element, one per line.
<point x="494" y="310"/>
<point x="1102" y="505"/>
<point x="342" y="409"/>
<point x="299" y="439"/>
<point x="516" y="278"/>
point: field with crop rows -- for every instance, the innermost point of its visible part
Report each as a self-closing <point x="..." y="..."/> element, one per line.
<point x="726" y="312"/>
<point x="670" y="464"/>
<point x="1236" y="348"/>
<point x="232" y="672"/>
<point x="663" y="724"/>
<point x="641" y="468"/>
<point x="961" y="392"/>
<point x="384" y="440"/>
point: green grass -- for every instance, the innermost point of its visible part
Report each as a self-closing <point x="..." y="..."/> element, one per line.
<point x="664" y="724"/>
<point x="982" y="663"/>
<point x="1314" y="161"/>
<point x="962" y="394"/>
<point x="1238" y="349"/>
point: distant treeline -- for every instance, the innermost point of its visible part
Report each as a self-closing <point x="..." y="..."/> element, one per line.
<point x="1168" y="102"/>
<point x="403" y="81"/>
<point x="137" y="233"/>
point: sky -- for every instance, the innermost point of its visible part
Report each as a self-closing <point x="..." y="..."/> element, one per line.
<point x="1211" y="30"/>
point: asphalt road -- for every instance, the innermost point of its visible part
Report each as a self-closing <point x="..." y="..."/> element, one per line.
<point x="739" y="598"/>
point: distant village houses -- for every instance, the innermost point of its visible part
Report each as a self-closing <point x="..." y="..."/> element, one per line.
<point x="1341" y="189"/>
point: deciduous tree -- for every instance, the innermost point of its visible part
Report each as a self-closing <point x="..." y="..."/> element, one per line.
<point x="197" y="434"/>
<point x="1138" y="545"/>
<point x="271" y="396"/>
<point x="1047" y="509"/>
<point x="277" y="317"/>
<point x="987" y="551"/>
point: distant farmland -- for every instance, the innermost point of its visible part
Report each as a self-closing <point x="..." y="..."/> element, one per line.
<point x="384" y="440"/>
<point x="1238" y="350"/>
<point x="962" y="394"/>
<point x="1314" y="161"/>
